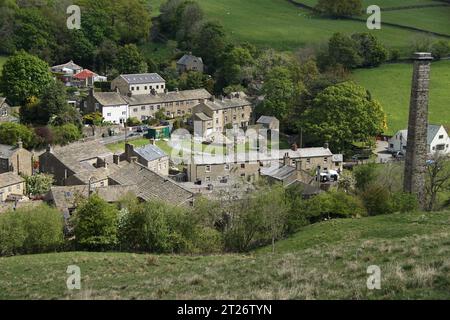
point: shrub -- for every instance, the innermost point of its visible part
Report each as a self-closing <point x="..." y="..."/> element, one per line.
<point x="403" y="202"/>
<point x="31" y="230"/>
<point x="364" y="175"/>
<point x="95" y="224"/>
<point x="38" y="184"/>
<point x="376" y="199"/>
<point x="66" y="134"/>
<point x="332" y="205"/>
<point x="132" y="122"/>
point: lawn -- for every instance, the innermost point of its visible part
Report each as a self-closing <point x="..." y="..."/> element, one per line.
<point x="120" y="146"/>
<point x="328" y="260"/>
<point x="391" y="85"/>
<point x="281" y="25"/>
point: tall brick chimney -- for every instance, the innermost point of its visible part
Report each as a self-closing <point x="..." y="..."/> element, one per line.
<point x="416" y="152"/>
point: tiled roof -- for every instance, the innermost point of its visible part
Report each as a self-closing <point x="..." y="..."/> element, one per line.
<point x="142" y="78"/>
<point x="109" y="98"/>
<point x="150" y="152"/>
<point x="226" y="103"/>
<point x="173" y="96"/>
<point x="266" y="119"/>
<point x="203" y="117"/>
<point x="9" y="179"/>
<point x="83" y="75"/>
<point x="69" y="65"/>
<point x="150" y="185"/>
<point x="188" y="58"/>
<point x="6" y="151"/>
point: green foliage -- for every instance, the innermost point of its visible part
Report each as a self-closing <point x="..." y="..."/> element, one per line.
<point x="209" y="44"/>
<point x="95" y="224"/>
<point x="66" y="134"/>
<point x="404" y="202"/>
<point x="370" y="49"/>
<point x="343" y="50"/>
<point x="332" y="205"/>
<point x="440" y="49"/>
<point x="38" y="184"/>
<point x="340" y="8"/>
<point x="94" y="118"/>
<point x="342" y="114"/>
<point x="24" y="76"/>
<point x="11" y="133"/>
<point x="133" y="121"/>
<point x="364" y="175"/>
<point x="376" y="199"/>
<point x="30" y="230"/>
<point x="130" y="60"/>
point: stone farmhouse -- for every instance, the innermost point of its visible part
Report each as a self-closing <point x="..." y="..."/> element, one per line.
<point x="188" y="62"/>
<point x="437" y="140"/>
<point x="137" y="84"/>
<point x="16" y="159"/>
<point x="12" y="186"/>
<point x="216" y="115"/>
<point x="149" y="156"/>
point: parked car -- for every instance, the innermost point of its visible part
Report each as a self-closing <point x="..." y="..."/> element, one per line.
<point x="398" y="155"/>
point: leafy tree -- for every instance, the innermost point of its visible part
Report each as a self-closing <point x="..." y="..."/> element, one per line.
<point x="66" y="134"/>
<point x="38" y="184"/>
<point x="95" y="224"/>
<point x="364" y="175"/>
<point x="281" y="92"/>
<point x="344" y="50"/>
<point x="210" y="43"/>
<point x="438" y="179"/>
<point x="130" y="60"/>
<point x="94" y="118"/>
<point x="80" y="48"/>
<point x="342" y="114"/>
<point x="132" y="122"/>
<point x="440" y="49"/>
<point x="11" y="133"/>
<point x="24" y="76"/>
<point x="192" y="80"/>
<point x="376" y="199"/>
<point x="340" y="8"/>
<point x="370" y="49"/>
<point x="236" y="66"/>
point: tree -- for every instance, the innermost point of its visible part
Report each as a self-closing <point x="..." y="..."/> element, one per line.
<point x="440" y="49"/>
<point x="130" y="60"/>
<point x="210" y="43"/>
<point x="38" y="184"/>
<point x="340" y="8"/>
<point x="66" y="134"/>
<point x="344" y="50"/>
<point x="371" y="50"/>
<point x="53" y="102"/>
<point x="24" y="76"/>
<point x="11" y="133"/>
<point x="95" y="224"/>
<point x="281" y="93"/>
<point x="236" y="66"/>
<point x="438" y="178"/>
<point x="342" y="114"/>
<point x="93" y="119"/>
<point x="192" y="80"/>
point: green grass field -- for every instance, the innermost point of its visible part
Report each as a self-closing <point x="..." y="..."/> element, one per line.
<point x="391" y="85"/>
<point x="323" y="261"/>
<point x="382" y="3"/>
<point x="283" y="26"/>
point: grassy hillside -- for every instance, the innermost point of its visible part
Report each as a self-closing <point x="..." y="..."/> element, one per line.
<point x="281" y="25"/>
<point x="324" y="261"/>
<point x="391" y="85"/>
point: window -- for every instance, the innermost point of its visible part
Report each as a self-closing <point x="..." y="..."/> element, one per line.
<point x="145" y="88"/>
<point x="108" y="114"/>
<point x="162" y="86"/>
<point x="143" y="108"/>
<point x="242" y="165"/>
<point x="308" y="160"/>
<point x="158" y="107"/>
<point x="18" y="187"/>
<point x="325" y="160"/>
<point x="441" y="147"/>
<point x="227" y="167"/>
<point x="441" y="136"/>
<point x="135" y="109"/>
<point x="137" y="88"/>
<point x="124" y="113"/>
<point x="151" y="108"/>
<point x="132" y="88"/>
<point x="208" y="179"/>
<point x="208" y="168"/>
<point x="157" y="87"/>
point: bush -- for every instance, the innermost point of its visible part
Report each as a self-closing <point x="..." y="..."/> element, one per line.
<point x="66" y="134"/>
<point x="11" y="133"/>
<point x="332" y="205"/>
<point x="31" y="230"/>
<point x="132" y="122"/>
<point x="38" y="184"/>
<point x="404" y="202"/>
<point x="364" y="175"/>
<point x="95" y="224"/>
<point x="377" y="200"/>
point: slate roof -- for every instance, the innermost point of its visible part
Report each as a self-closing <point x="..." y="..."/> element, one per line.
<point x="69" y="65"/>
<point x="187" y="58"/>
<point x="2" y="100"/>
<point x="6" y="151"/>
<point x="172" y="96"/>
<point x="226" y="103"/>
<point x="9" y="179"/>
<point x="278" y="172"/>
<point x="150" y="152"/>
<point x="142" y="78"/>
<point x="109" y="98"/>
<point x="266" y="120"/>
<point x="150" y="185"/>
<point x="66" y="196"/>
<point x="203" y="117"/>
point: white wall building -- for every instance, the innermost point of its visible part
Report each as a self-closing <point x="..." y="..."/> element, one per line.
<point x="437" y="140"/>
<point x="111" y="105"/>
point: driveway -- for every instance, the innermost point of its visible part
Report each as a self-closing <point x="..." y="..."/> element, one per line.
<point x="383" y="155"/>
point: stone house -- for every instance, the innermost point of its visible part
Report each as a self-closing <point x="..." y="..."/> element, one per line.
<point x="268" y="123"/>
<point x="175" y="103"/>
<point x="437" y="140"/>
<point x="11" y="186"/>
<point x="149" y="156"/>
<point x="111" y="105"/>
<point x="80" y="163"/>
<point x="6" y="112"/>
<point x="16" y="159"/>
<point x="188" y="62"/>
<point x="66" y="71"/>
<point x="216" y="115"/>
<point x="137" y="84"/>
